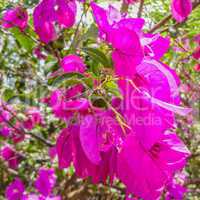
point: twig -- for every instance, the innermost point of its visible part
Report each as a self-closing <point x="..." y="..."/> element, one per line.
<point x="77" y="28"/>
<point x="140" y="8"/>
<point x="168" y="17"/>
<point x="41" y="139"/>
<point x="160" y="23"/>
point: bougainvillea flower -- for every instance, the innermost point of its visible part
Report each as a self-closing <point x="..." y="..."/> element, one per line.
<point x="146" y="108"/>
<point x="17" y="135"/>
<point x="88" y="133"/>
<point x="134" y="24"/>
<point x="197" y="38"/>
<point x="4" y="114"/>
<point x="64" y="105"/>
<point x="127" y="50"/>
<point x="73" y="63"/>
<point x="48" y="12"/>
<point x="45" y="181"/>
<point x="162" y="160"/>
<point x="10" y="156"/>
<point x="181" y="9"/>
<point x="33" y="118"/>
<point x="16" y="17"/>
<point x="175" y="191"/>
<point x="152" y="44"/>
<point x="52" y="153"/>
<point x="5" y="131"/>
<point x="74" y="91"/>
<point x="15" y="190"/>
<point x="197" y="67"/>
<point x="91" y="147"/>
<point x="38" y="53"/>
<point x="66" y="12"/>
<point x="196" y="54"/>
<point x="70" y="149"/>
<point x="112" y="19"/>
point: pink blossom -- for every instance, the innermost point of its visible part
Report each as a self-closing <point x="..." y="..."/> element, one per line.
<point x="73" y="63"/>
<point x="15" y="190"/>
<point x="17" y="134"/>
<point x="10" y="156"/>
<point x="52" y="152"/>
<point x="66" y="12"/>
<point x="162" y="160"/>
<point x="197" y="67"/>
<point x="197" y="38"/>
<point x="15" y="17"/>
<point x="5" y="131"/>
<point x="128" y="50"/>
<point x="45" y="181"/>
<point x="152" y="44"/>
<point x="70" y="150"/>
<point x="48" y="12"/>
<point x="33" y="118"/>
<point x="39" y="54"/>
<point x="181" y="9"/>
<point x="196" y="53"/>
<point x="175" y="191"/>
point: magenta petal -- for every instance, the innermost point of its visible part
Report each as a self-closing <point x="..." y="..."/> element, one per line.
<point x="45" y="181"/>
<point x="101" y="17"/>
<point x="181" y="9"/>
<point x="174" y="152"/>
<point x="15" y="190"/>
<point x="89" y="140"/>
<point x="133" y="159"/>
<point x="66" y="13"/>
<point x="134" y="24"/>
<point x="128" y="44"/>
<point x="73" y="63"/>
<point x="15" y="17"/>
<point x="77" y="105"/>
<point x="64" y="148"/>
<point x="156" y="45"/>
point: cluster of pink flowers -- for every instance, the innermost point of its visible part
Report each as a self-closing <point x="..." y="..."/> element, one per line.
<point x="44" y="183"/>
<point x="131" y="139"/>
<point x="48" y="13"/>
<point x="15" y="132"/>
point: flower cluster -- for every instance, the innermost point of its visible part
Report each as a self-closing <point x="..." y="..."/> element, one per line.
<point x="131" y="137"/>
<point x="44" y="183"/>
<point x="15" y="131"/>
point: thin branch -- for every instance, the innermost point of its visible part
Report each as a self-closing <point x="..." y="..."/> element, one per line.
<point x="168" y="17"/>
<point x="41" y="139"/>
<point x="77" y="28"/>
<point x="160" y="23"/>
<point x="139" y="14"/>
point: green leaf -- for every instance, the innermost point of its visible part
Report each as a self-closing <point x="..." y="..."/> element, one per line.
<point x="23" y="39"/>
<point x="8" y="94"/>
<point x="97" y="55"/>
<point x="57" y="81"/>
<point x="92" y="33"/>
<point x="113" y="88"/>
